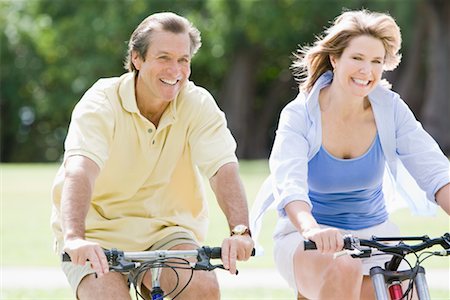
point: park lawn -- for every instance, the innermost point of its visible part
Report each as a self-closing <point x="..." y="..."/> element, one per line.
<point x="26" y="209"/>
<point x="227" y="294"/>
<point x="26" y="238"/>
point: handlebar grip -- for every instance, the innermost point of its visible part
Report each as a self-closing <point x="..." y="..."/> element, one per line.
<point x="216" y="252"/>
<point x="65" y="257"/>
<point x="310" y="245"/>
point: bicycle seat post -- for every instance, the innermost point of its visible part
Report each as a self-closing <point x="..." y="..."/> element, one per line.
<point x="156" y="293"/>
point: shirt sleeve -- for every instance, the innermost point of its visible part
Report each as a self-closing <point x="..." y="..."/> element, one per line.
<point x="91" y="127"/>
<point x="419" y="152"/>
<point x="211" y="142"/>
<point x="289" y="158"/>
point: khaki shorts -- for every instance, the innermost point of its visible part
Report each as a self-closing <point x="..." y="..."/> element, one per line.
<point x="75" y="273"/>
<point x="286" y="245"/>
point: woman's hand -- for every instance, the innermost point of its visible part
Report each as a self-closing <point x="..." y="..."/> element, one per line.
<point x="328" y="240"/>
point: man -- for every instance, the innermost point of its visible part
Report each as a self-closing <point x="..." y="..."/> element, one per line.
<point x="130" y="177"/>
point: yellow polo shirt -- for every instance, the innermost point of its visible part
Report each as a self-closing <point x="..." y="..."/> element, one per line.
<point x="149" y="185"/>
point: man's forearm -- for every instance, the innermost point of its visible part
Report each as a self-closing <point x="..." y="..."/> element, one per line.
<point x="230" y="194"/>
<point x="74" y="208"/>
<point x="76" y="195"/>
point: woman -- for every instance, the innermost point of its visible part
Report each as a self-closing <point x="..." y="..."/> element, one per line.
<point x="329" y="156"/>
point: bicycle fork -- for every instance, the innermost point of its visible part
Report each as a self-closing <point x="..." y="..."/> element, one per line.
<point x="381" y="277"/>
<point x="156" y="293"/>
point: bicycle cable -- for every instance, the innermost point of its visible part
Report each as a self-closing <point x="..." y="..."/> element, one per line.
<point x="161" y="263"/>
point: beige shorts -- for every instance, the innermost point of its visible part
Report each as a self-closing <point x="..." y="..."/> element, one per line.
<point x="286" y="245"/>
<point x="75" y="273"/>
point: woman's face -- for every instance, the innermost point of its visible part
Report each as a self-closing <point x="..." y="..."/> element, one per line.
<point x="360" y="66"/>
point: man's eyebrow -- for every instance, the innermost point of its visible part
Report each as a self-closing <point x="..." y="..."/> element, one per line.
<point x="159" y="52"/>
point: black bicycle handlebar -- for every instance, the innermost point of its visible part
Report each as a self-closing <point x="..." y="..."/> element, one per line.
<point x="351" y="243"/>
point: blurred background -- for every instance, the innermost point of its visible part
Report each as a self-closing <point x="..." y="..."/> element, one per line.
<point x="52" y="51"/>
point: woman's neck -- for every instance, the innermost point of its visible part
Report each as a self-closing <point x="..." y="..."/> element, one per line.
<point x="333" y="98"/>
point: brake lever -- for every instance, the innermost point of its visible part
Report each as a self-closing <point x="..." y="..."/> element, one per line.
<point x="206" y="266"/>
<point x="124" y="265"/>
<point x="353" y="253"/>
<point x="347" y="252"/>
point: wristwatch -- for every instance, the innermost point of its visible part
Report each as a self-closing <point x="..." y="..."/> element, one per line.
<point x="240" y="229"/>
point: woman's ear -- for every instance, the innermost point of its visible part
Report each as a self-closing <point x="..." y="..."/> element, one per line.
<point x="332" y="60"/>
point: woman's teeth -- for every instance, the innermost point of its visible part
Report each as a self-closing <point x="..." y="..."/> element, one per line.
<point x="361" y="82"/>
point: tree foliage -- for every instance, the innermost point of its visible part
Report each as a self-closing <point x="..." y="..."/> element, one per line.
<point x="52" y="51"/>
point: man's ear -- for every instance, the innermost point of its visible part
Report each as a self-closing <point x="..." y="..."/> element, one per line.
<point x="136" y="60"/>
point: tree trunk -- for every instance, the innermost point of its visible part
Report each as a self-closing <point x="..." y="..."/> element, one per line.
<point x="436" y="113"/>
<point x="282" y="90"/>
<point x="237" y="97"/>
<point x="411" y="74"/>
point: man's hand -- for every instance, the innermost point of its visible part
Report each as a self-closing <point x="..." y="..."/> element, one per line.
<point x="81" y="251"/>
<point x="236" y="247"/>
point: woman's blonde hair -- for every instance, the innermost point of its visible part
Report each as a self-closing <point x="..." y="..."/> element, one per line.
<point x="311" y="62"/>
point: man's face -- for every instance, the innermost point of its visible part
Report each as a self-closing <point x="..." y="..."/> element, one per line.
<point x="166" y="67"/>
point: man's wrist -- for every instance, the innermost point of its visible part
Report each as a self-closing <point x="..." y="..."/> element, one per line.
<point x="241" y="229"/>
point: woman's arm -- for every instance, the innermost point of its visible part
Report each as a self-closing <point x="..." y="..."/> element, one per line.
<point x="328" y="240"/>
<point x="443" y="198"/>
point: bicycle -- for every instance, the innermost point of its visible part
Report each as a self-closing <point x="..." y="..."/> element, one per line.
<point x="124" y="262"/>
<point x="389" y="279"/>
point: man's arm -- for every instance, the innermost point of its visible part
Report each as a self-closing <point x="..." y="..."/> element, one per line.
<point x="80" y="176"/>
<point x="230" y="194"/>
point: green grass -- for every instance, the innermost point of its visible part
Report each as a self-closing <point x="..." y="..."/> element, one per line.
<point x="26" y="238"/>
<point x="25" y="215"/>
<point x="227" y="294"/>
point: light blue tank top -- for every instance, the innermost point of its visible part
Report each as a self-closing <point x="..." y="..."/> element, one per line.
<point x="347" y="193"/>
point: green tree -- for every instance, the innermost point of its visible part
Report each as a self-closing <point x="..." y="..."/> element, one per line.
<point x="52" y="51"/>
